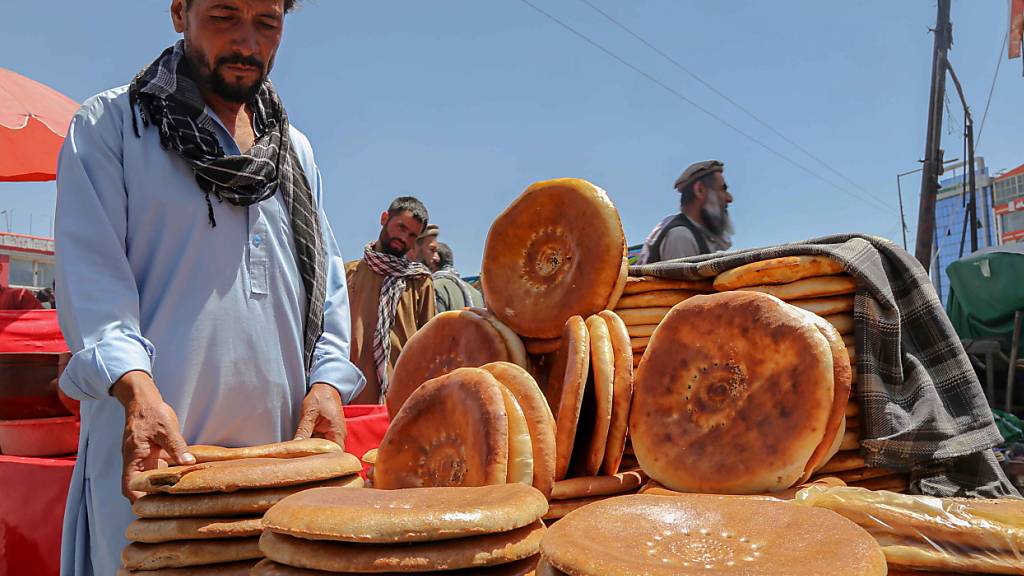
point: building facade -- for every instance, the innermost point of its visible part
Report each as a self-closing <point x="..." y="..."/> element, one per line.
<point x="953" y="229"/>
<point x="1008" y="192"/>
<point x="26" y="261"/>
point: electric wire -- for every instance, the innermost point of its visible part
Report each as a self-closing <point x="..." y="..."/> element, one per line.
<point x="868" y="200"/>
<point x="991" y="89"/>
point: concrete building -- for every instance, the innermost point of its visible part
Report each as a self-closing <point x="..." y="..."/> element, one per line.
<point x="26" y="261"/>
<point x="1008" y="192"/>
<point x="952" y="229"/>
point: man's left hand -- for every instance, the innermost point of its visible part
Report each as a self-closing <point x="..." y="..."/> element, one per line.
<point x="322" y="415"/>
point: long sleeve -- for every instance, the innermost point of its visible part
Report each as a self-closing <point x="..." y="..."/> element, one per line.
<point x="96" y="289"/>
<point x="331" y="363"/>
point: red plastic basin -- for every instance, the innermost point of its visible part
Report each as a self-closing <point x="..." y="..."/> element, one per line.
<point x="39" y="437"/>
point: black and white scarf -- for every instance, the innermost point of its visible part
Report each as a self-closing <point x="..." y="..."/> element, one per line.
<point x="395" y="270"/>
<point x="169" y="99"/>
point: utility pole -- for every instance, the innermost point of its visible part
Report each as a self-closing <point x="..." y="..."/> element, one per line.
<point x="932" y="153"/>
<point x="972" y="190"/>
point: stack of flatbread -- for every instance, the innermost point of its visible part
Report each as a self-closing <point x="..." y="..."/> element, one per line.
<point x="483" y="530"/>
<point x="702" y="534"/>
<point x="455" y="339"/>
<point x="471" y="427"/>
<point x="557" y="251"/>
<point x="646" y="300"/>
<point x="739" y="393"/>
<point x="927" y="533"/>
<point x="206" y="517"/>
<point x="588" y="383"/>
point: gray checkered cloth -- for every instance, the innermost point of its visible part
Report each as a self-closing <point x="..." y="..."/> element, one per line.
<point x="922" y="406"/>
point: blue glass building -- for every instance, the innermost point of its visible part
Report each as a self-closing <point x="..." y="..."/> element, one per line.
<point x="952" y="230"/>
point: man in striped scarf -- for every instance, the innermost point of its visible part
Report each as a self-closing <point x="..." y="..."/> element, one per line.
<point x="391" y="296"/>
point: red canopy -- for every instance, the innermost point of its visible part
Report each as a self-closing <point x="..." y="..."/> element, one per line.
<point x="34" y="119"/>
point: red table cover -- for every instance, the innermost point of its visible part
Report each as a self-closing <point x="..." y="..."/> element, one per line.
<point x="24" y="331"/>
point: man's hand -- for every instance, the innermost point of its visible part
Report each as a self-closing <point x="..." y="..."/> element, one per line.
<point x="323" y="415"/>
<point x="151" y="429"/>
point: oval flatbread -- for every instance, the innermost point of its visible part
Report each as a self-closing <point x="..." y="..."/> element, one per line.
<point x="639" y="344"/>
<point x="640" y="331"/>
<point x="588" y="486"/>
<point x="565" y="388"/>
<point x="825" y="306"/>
<point x="241" y="503"/>
<point x="156" y="530"/>
<point x="851" y="344"/>
<point x="732" y="396"/>
<point x="852" y="408"/>
<point x="657" y="299"/>
<point x="542" y="266"/>
<point x="289" y="449"/>
<point x="809" y="288"/>
<point x="843" y="461"/>
<point x="514" y="344"/>
<point x="620" y="284"/>
<point x="242" y="568"/>
<point x="602" y="369"/>
<point x="851" y="441"/>
<point x="540" y="347"/>
<point x="782" y="270"/>
<point x="635" y="316"/>
<point x="453" y="431"/>
<point x="539" y="419"/>
<point x="561" y="508"/>
<point x="232" y="475"/>
<point x="520" y="447"/>
<point x="641" y="284"/>
<point x="402" y="516"/>
<point x="702" y="534"/>
<point x="463" y="553"/>
<point x="524" y="567"/>
<point x="844" y="324"/>
<point x="622" y="392"/>
<point x="450" y="340"/>
<point x="187" y="553"/>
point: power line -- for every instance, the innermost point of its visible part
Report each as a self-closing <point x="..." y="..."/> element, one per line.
<point x="876" y="203"/>
<point x="992" y="88"/>
<point x="725" y="97"/>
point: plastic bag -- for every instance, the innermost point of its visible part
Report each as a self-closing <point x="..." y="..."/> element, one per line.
<point x="928" y="533"/>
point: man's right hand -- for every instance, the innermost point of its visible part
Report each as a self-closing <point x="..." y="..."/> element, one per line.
<point x="151" y="429"/>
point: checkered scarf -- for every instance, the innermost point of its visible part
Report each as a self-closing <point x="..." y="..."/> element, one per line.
<point x="394" y="269"/>
<point x="923" y="407"/>
<point x="169" y="99"/>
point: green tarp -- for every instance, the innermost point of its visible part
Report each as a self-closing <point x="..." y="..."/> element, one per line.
<point x="985" y="290"/>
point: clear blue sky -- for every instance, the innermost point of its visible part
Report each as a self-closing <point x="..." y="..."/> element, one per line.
<point x="466" y="102"/>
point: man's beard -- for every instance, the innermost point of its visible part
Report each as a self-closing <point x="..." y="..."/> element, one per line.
<point x="216" y="81"/>
<point x="384" y="245"/>
<point x="716" y="217"/>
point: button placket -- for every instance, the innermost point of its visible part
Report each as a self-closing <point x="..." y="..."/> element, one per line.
<point x="259" y="259"/>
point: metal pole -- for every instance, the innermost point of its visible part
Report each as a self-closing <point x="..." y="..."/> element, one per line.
<point x="972" y="206"/>
<point x="903" y="221"/>
<point x="933" y="140"/>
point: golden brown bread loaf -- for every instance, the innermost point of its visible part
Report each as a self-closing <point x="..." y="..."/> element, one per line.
<point x="289" y="449"/>
<point x="784" y="270"/>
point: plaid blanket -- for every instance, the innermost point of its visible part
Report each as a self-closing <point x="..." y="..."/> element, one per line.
<point x="922" y="406"/>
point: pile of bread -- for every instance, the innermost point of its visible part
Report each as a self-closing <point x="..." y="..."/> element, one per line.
<point x="647" y="300"/>
<point x="207" y="517"/>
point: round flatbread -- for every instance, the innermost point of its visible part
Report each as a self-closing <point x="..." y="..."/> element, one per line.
<point x="843" y="461"/>
<point x="782" y="270"/>
<point x="620" y="284"/>
<point x="538" y="347"/>
<point x="689" y="534"/>
<point x="539" y="419"/>
<point x="541" y="266"/>
<point x="733" y="395"/>
<point x="841" y="377"/>
<point x="639" y="344"/>
<point x="589" y="486"/>
<point x="640" y="331"/>
<point x="851" y="441"/>
<point x="156" y="530"/>
<point x="524" y="567"/>
<point x="622" y="392"/>
<point x="514" y="344"/>
<point x="825" y="306"/>
<point x="289" y="449"/>
<point x="641" y="284"/>
<point x="453" y="431"/>
<point x="242" y="568"/>
<point x="661" y="298"/>
<point x="187" y="553"/>
<point x="602" y="367"/>
<point x="471" y="552"/>
<point x="401" y="516"/>
<point x="861" y="474"/>
<point x="370" y="457"/>
<point x="844" y="324"/>
<point x="560" y="508"/>
<point x="520" y="447"/>
<point x="241" y="503"/>
<point x="565" y="387"/>
<point x="809" y="288"/>
<point x="450" y="340"/>
<point x="637" y="316"/>
<point x="232" y="475"/>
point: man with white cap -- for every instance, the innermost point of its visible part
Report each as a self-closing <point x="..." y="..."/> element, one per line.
<point x="702" y="225"/>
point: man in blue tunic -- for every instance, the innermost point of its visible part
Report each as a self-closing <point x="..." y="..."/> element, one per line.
<point x="199" y="283"/>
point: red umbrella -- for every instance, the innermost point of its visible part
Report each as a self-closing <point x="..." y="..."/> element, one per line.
<point x="34" y="119"/>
